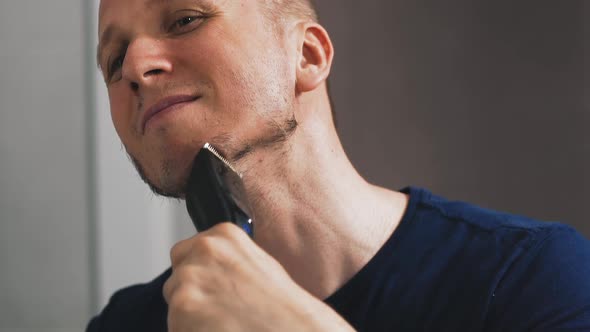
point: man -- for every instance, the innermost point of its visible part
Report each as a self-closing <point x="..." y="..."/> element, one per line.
<point x="330" y="251"/>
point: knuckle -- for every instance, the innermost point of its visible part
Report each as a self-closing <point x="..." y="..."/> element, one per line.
<point x="185" y="275"/>
<point x="231" y="232"/>
<point x="205" y="245"/>
<point x="167" y="289"/>
<point x="227" y="228"/>
<point x="224" y="229"/>
<point x="175" y="248"/>
<point x="235" y="232"/>
<point x="177" y="252"/>
<point x="183" y="280"/>
<point x="186" y="298"/>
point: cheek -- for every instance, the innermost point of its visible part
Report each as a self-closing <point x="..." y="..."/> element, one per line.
<point x="121" y="115"/>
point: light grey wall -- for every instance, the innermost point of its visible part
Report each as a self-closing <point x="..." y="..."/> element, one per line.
<point x="44" y="279"/>
<point x="480" y="101"/>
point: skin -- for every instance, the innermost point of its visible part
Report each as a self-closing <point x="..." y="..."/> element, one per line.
<point x="263" y="103"/>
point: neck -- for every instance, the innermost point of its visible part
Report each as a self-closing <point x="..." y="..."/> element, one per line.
<point x="313" y="212"/>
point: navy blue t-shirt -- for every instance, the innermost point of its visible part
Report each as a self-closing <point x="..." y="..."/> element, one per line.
<point x="449" y="266"/>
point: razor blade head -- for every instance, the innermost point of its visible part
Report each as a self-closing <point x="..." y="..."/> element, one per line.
<point x="215" y="192"/>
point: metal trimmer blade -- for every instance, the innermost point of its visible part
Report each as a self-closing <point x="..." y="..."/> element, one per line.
<point x="215" y="193"/>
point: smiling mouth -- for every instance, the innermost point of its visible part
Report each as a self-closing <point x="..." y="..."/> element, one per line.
<point x="165" y="105"/>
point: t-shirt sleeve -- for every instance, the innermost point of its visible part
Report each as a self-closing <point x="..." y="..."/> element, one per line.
<point x="548" y="288"/>
<point x="107" y="319"/>
<point x="94" y="325"/>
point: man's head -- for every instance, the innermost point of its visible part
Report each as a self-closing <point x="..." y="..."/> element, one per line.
<point x="184" y="72"/>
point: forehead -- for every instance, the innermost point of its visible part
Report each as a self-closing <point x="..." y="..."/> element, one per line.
<point x="107" y="7"/>
<point x="123" y="19"/>
<point x="125" y="10"/>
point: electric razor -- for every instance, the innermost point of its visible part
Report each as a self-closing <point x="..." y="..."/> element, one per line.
<point x="215" y="193"/>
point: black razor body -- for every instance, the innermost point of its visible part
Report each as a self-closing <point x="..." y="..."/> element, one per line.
<point x="212" y="191"/>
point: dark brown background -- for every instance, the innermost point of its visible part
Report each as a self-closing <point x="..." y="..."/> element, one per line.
<point x="480" y="101"/>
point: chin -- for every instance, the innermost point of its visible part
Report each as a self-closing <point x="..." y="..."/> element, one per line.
<point x="172" y="181"/>
<point x="168" y="179"/>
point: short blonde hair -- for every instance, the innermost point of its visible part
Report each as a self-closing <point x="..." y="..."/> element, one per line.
<point x="281" y="9"/>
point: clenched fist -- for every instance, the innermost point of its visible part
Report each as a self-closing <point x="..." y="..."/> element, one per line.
<point x="222" y="281"/>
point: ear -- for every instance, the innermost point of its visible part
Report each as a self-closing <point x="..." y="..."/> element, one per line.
<point x="314" y="59"/>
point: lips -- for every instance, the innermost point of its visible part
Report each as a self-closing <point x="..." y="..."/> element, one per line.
<point x="164" y="104"/>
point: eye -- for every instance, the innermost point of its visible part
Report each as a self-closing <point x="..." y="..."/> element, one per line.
<point x="185" y="23"/>
<point x="115" y="66"/>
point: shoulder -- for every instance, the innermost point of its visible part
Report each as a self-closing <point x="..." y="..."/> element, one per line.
<point x="548" y="287"/>
<point x="538" y="273"/>
<point x="138" y="307"/>
<point x="476" y="217"/>
<point x="516" y="237"/>
<point x="498" y="229"/>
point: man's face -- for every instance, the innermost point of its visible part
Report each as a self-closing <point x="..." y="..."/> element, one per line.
<point x="227" y="75"/>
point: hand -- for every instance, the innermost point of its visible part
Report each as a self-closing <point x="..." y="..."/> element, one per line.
<point x="222" y="281"/>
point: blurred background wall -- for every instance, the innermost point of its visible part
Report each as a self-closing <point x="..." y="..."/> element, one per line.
<point x="476" y="100"/>
<point x="45" y="281"/>
<point x="481" y="101"/>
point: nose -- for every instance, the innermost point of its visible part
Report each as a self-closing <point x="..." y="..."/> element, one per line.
<point x="145" y="61"/>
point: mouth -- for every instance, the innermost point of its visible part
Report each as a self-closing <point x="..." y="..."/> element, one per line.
<point x="165" y="105"/>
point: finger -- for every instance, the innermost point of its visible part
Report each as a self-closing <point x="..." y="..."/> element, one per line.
<point x="183" y="287"/>
<point x="227" y="230"/>
<point x="222" y="238"/>
<point x="181" y="250"/>
<point x="169" y="286"/>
